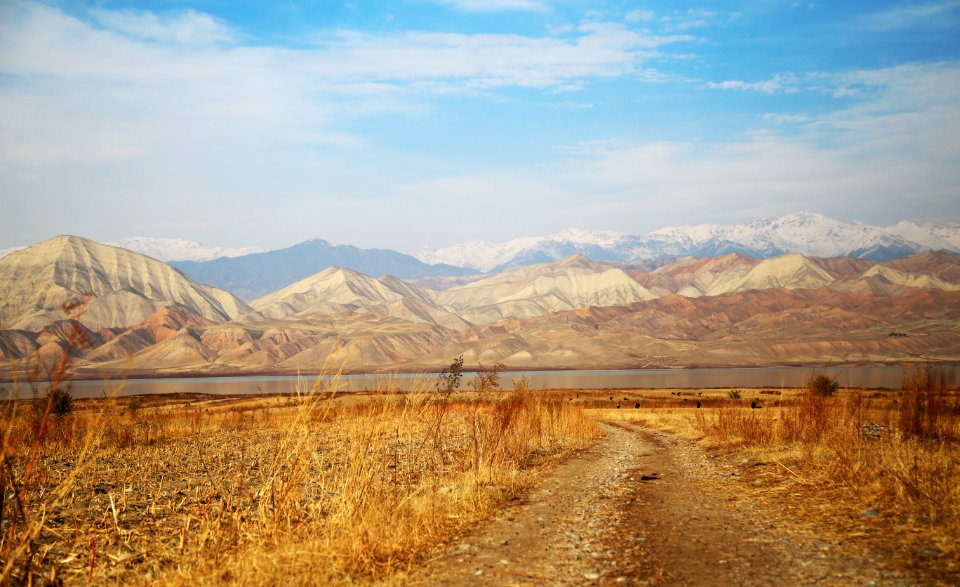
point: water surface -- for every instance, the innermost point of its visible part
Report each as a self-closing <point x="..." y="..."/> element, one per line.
<point x="775" y="377"/>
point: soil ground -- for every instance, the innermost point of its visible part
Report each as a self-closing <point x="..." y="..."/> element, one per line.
<point x="641" y="507"/>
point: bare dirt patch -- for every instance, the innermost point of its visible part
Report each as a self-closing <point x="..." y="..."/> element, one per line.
<point x="643" y="507"/>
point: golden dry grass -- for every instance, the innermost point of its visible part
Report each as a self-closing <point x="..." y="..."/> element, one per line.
<point x="830" y="459"/>
<point x="304" y="489"/>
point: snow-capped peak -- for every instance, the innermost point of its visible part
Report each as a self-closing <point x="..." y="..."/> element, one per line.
<point x="801" y="232"/>
<point x="486" y="256"/>
<point x="592" y="237"/>
<point x="177" y="249"/>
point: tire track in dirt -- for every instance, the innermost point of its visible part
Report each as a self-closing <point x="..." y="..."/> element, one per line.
<point x="555" y="534"/>
<point x="698" y="526"/>
<point x="641" y="508"/>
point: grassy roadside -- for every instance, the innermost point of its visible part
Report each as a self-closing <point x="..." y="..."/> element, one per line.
<point x="309" y="488"/>
<point x="879" y="469"/>
<point x="316" y="487"/>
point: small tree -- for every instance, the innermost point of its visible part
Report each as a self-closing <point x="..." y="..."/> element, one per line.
<point x="449" y="379"/>
<point x="734" y="394"/>
<point x="488" y="378"/>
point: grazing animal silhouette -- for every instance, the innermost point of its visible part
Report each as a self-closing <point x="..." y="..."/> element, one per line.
<point x="698" y="405"/>
<point x="636" y="405"/>
<point x="618" y="406"/>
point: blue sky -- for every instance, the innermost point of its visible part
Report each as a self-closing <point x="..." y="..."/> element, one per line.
<point x="430" y="122"/>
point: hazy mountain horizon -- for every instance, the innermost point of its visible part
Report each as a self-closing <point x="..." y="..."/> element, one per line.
<point x="801" y="232"/>
<point x="728" y="310"/>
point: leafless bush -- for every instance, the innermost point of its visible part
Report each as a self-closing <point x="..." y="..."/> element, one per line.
<point x="928" y="409"/>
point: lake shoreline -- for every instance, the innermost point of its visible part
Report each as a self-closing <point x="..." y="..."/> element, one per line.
<point x="875" y="377"/>
<point x="90" y="375"/>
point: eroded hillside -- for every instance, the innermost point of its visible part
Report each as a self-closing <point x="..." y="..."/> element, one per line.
<point x="145" y="317"/>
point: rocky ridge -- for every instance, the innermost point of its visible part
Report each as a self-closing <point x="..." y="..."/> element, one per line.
<point x="145" y="316"/>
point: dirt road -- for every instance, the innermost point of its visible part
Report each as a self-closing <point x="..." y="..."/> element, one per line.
<point x="642" y="508"/>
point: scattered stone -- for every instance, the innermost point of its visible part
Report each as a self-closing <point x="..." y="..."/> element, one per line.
<point x="929" y="552"/>
<point x="591" y="576"/>
<point x="871" y="513"/>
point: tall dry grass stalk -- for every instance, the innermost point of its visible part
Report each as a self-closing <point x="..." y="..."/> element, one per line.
<point x="928" y="409"/>
<point x="315" y="487"/>
<point x="26" y="430"/>
<point x="898" y="453"/>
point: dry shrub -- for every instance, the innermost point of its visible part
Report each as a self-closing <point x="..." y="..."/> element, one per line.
<point x="737" y="426"/>
<point x="822" y="385"/>
<point x="927" y="408"/>
<point x="810" y="418"/>
<point x="903" y="459"/>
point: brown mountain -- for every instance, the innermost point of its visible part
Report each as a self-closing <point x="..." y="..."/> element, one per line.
<point x="941" y="264"/>
<point x="732" y="310"/>
<point x="750" y="328"/>
<point x="534" y="290"/>
<point x="122" y="287"/>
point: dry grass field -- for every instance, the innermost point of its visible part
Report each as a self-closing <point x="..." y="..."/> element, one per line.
<point x="303" y="489"/>
<point x="319" y="487"/>
<point x="878" y="467"/>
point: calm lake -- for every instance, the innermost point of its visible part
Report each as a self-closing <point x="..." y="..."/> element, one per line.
<point x="855" y="376"/>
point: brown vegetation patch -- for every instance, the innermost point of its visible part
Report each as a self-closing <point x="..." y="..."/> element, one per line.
<point x="871" y="468"/>
<point x="302" y="489"/>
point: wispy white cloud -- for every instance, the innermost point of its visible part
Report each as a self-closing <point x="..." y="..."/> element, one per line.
<point x="695" y="18"/>
<point x="188" y="28"/>
<point x="896" y="146"/>
<point x="780" y="83"/>
<point x="594" y="50"/>
<point x="498" y="5"/>
<point x="639" y="15"/>
<point x="128" y="83"/>
<point x="912" y="15"/>
<point x="780" y="118"/>
<point x="182" y="110"/>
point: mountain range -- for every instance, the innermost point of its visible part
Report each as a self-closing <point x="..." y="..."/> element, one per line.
<point x="803" y="232"/>
<point x="179" y="249"/>
<point x="250" y="273"/>
<point x="251" y="276"/>
<point x="144" y="317"/>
